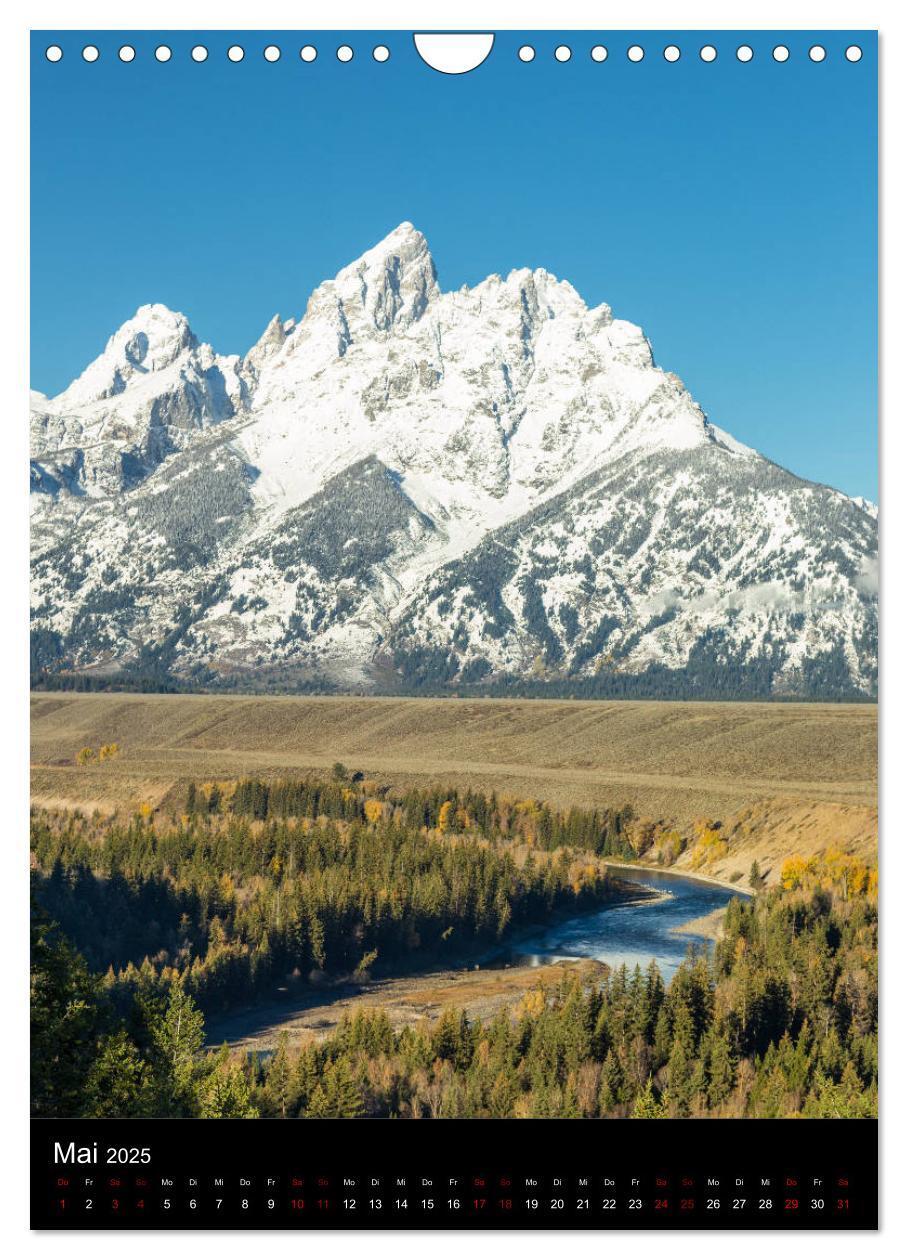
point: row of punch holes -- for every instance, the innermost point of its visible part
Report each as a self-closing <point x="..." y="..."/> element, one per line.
<point x="526" y="53"/>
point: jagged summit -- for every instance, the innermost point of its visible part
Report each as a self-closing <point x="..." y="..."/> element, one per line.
<point x="434" y="488"/>
<point x="390" y="285"/>
<point x="150" y="341"/>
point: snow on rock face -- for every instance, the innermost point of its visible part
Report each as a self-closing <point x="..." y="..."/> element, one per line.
<point x="654" y="562"/>
<point x="390" y="286"/>
<point x="872" y="509"/>
<point x="494" y="394"/>
<point x="269" y="343"/>
<point x="497" y="481"/>
<point x="148" y="342"/>
<point x="138" y="403"/>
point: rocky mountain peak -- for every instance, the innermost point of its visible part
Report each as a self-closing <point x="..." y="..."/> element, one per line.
<point x="149" y="342"/>
<point x="390" y="285"/>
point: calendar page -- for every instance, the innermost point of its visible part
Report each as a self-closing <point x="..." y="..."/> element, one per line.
<point x="454" y="617"/>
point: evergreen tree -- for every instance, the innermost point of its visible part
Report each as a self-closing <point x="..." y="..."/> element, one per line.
<point x="337" y="1096"/>
<point x="224" y="1091"/>
<point x="66" y="1023"/>
<point x="120" y="1083"/>
<point x="720" y="1070"/>
<point x="177" y="1034"/>
<point x="646" y="1105"/>
<point x="279" y="1093"/>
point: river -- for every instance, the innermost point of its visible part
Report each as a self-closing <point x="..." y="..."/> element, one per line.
<point x="633" y="933"/>
<point x="630" y="933"/>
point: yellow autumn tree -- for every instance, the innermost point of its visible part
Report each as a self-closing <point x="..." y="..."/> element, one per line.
<point x="108" y="752"/>
<point x="373" y="810"/>
<point x="793" y="873"/>
<point x="843" y="874"/>
<point x="532" y="1004"/>
<point x="85" y="756"/>
<point x="444" y="816"/>
<point x="583" y="875"/>
<point x="670" y="847"/>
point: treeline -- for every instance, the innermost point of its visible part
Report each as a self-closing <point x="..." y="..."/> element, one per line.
<point x="45" y="680"/>
<point x="781" y="1020"/>
<point x="712" y="672"/>
<point x="237" y="896"/>
<point x="447" y="810"/>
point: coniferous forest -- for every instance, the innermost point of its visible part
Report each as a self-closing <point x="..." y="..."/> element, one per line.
<point x="145" y="926"/>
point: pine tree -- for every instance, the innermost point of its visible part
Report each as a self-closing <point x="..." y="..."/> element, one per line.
<point x="278" y="1090"/>
<point x="337" y="1096"/>
<point x="66" y="1023"/>
<point x="177" y="1034"/>
<point x="224" y="1091"/>
<point x="720" y="1069"/>
<point x="502" y="1096"/>
<point x="679" y="1090"/>
<point x="305" y="1076"/>
<point x="646" y="1106"/>
<point x="120" y="1083"/>
<point x="446" y="1036"/>
<point x="611" y="1084"/>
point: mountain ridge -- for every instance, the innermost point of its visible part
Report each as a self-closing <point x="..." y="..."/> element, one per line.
<point x="285" y="514"/>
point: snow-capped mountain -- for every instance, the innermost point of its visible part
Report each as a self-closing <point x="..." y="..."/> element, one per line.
<point x="408" y="487"/>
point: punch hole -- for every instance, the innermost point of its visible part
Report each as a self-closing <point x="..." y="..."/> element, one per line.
<point x="780" y="53"/>
<point x="817" y="53"/>
<point x="235" y="53"/>
<point x="562" y="53"/>
<point x="308" y="53"/>
<point x="55" y="53"/>
<point x="90" y="53"/>
<point x="272" y="53"/>
<point x="635" y="53"/>
<point x="199" y="53"/>
<point x="745" y="53"/>
<point x="599" y="52"/>
<point x="126" y="53"/>
<point x="672" y="53"/>
<point x="345" y="53"/>
<point x="853" y="53"/>
<point x="708" y="53"/>
<point x="380" y="52"/>
<point x="162" y="53"/>
<point x="453" y="53"/>
<point x="526" y="52"/>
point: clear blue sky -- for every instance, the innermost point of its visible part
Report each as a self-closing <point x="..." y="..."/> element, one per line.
<point x="729" y="209"/>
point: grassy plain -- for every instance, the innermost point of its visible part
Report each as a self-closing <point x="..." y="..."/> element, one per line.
<point x="782" y="778"/>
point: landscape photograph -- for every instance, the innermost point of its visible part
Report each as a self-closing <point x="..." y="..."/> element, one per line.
<point x="437" y="710"/>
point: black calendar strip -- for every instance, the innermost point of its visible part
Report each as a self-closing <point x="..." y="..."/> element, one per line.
<point x="454" y="1175"/>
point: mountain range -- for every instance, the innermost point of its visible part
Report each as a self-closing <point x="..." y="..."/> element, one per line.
<point x="490" y="489"/>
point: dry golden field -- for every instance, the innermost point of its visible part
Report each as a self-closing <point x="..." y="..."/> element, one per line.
<point x="787" y="777"/>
